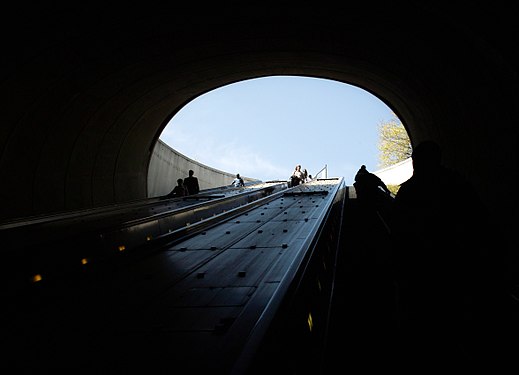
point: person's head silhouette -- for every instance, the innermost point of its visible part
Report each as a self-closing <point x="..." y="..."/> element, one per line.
<point x="426" y="156"/>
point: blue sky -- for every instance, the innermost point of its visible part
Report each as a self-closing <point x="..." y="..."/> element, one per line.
<point x="262" y="128"/>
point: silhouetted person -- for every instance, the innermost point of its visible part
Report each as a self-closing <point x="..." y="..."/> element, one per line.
<point x="297" y="176"/>
<point x="191" y="183"/>
<point x="372" y="193"/>
<point x="369" y="185"/>
<point x="238" y="181"/>
<point x="437" y="227"/>
<point x="179" y="190"/>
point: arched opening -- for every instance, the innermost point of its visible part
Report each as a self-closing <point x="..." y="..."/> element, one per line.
<point x="84" y="106"/>
<point x="262" y="127"/>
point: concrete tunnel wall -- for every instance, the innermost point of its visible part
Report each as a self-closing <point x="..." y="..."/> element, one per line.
<point x="167" y="165"/>
<point x="86" y="91"/>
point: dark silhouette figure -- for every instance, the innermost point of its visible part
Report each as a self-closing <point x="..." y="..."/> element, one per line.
<point x="179" y="190"/>
<point x="368" y="185"/>
<point x="437" y="229"/>
<point x="373" y="194"/>
<point x="191" y="183"/>
<point x="238" y="181"/>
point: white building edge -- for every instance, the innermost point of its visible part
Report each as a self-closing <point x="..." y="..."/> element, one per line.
<point x="397" y="173"/>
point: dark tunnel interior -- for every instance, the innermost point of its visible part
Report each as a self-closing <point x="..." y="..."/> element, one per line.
<point x="86" y="89"/>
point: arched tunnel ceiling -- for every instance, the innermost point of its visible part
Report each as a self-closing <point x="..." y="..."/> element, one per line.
<point x="86" y="90"/>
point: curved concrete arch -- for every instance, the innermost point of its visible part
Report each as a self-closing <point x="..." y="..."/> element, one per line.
<point x="87" y="91"/>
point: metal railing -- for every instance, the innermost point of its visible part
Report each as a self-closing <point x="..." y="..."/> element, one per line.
<point x="325" y="170"/>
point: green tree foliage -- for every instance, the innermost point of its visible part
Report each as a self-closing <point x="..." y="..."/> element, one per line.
<point x="394" y="144"/>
